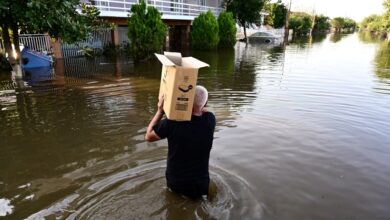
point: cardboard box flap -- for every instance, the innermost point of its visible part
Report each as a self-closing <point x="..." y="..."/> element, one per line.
<point x="193" y="63"/>
<point x="174" y="57"/>
<point x="164" y="60"/>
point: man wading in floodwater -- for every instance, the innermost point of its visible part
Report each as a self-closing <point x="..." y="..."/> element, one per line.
<point x="189" y="145"/>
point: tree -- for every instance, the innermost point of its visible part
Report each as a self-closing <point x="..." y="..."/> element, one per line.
<point x="277" y="14"/>
<point x="204" y="33"/>
<point x="246" y="12"/>
<point x="378" y="24"/>
<point x="227" y="29"/>
<point x="58" y="18"/>
<point x="386" y="15"/>
<point x="337" y="23"/>
<point x="343" y="24"/>
<point x="146" y="31"/>
<point x="382" y="64"/>
<point x="321" y="24"/>
<point x="372" y="23"/>
<point x="386" y="4"/>
<point x="300" y="22"/>
<point x="349" y="25"/>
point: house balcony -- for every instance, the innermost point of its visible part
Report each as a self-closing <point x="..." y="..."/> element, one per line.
<point x="170" y="9"/>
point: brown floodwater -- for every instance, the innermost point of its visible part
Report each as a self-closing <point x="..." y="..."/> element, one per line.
<point x="303" y="132"/>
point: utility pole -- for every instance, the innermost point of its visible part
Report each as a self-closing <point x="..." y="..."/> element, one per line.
<point x="313" y="22"/>
<point x="287" y="30"/>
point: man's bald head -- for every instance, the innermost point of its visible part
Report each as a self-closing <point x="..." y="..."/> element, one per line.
<point x="201" y="97"/>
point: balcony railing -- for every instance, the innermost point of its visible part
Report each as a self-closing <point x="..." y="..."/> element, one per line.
<point x="166" y="7"/>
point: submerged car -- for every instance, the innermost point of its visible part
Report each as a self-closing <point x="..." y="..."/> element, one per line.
<point x="263" y="37"/>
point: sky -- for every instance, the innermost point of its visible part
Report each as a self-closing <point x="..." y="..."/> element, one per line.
<point x="355" y="9"/>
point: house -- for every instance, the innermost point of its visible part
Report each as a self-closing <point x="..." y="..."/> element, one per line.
<point x="177" y="14"/>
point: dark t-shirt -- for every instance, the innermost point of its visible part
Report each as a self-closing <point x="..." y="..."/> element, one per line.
<point x="189" y="145"/>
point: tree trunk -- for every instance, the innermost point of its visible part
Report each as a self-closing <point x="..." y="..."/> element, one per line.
<point x="15" y="31"/>
<point x="7" y="43"/>
<point x="245" y="37"/>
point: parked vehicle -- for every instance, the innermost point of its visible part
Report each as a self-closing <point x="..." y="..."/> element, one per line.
<point x="263" y="37"/>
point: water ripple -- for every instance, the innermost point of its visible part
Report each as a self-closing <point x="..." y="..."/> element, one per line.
<point x="140" y="193"/>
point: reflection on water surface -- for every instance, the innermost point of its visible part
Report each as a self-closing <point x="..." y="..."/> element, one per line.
<point x="302" y="133"/>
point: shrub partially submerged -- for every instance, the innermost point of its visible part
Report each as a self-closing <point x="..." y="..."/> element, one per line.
<point x="205" y="32"/>
<point x="227" y="29"/>
<point x="4" y="64"/>
<point x="146" y="31"/>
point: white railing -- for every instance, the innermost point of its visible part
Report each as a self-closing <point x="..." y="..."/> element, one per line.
<point x="164" y="6"/>
<point x="37" y="42"/>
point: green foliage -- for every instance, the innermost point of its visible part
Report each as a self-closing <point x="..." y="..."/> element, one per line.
<point x="374" y="23"/>
<point x="337" y="23"/>
<point x="246" y="12"/>
<point x="111" y="50"/>
<point x="386" y="4"/>
<point x="343" y="24"/>
<point x="349" y="24"/>
<point x="301" y="23"/>
<point x="204" y="33"/>
<point x="277" y="14"/>
<point x="382" y="63"/>
<point x="90" y="16"/>
<point x="87" y="52"/>
<point x="58" y="18"/>
<point x="379" y="24"/>
<point x="227" y="29"/>
<point x="146" y="31"/>
<point x="4" y="65"/>
<point x="321" y="24"/>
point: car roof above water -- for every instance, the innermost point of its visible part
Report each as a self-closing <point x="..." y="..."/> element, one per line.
<point x="262" y="34"/>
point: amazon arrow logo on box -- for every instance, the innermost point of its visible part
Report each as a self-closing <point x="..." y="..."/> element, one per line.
<point x="178" y="82"/>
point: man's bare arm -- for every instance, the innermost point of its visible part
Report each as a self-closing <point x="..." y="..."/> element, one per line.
<point x="150" y="135"/>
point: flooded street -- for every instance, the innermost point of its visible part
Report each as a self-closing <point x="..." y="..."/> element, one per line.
<point x="303" y="132"/>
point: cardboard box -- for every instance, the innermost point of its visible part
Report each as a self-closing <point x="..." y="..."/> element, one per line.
<point x="178" y="83"/>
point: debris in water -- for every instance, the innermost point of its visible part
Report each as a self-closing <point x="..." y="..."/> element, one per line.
<point x="30" y="197"/>
<point x="5" y="207"/>
<point x="24" y="186"/>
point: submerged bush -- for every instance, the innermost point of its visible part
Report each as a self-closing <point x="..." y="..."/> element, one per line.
<point x="146" y="31"/>
<point x="4" y="64"/>
<point x="87" y="52"/>
<point x="227" y="29"/>
<point x="204" y="34"/>
<point x="111" y="50"/>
